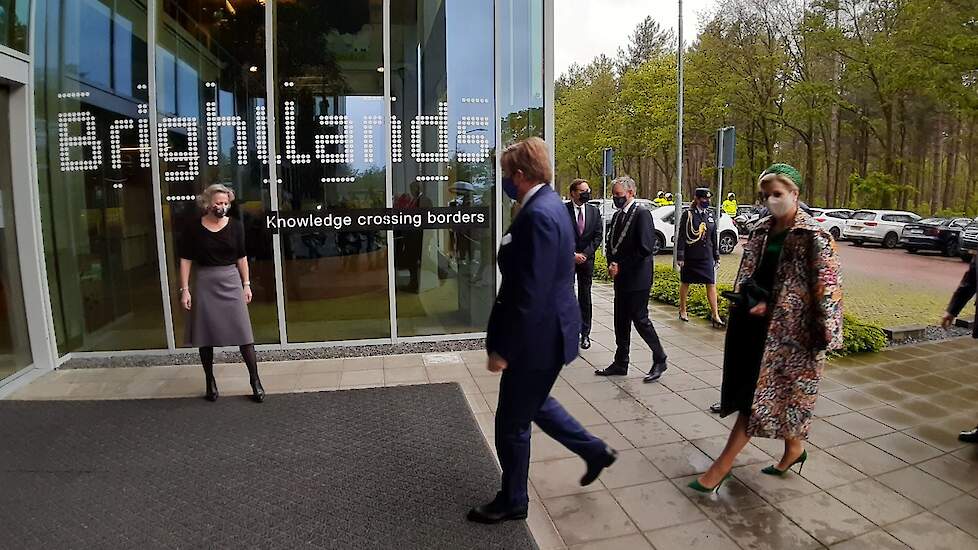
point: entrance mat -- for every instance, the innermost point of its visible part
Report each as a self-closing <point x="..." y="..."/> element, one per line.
<point x="383" y="468"/>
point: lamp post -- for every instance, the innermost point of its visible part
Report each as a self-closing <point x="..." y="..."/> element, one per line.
<point x="678" y="191"/>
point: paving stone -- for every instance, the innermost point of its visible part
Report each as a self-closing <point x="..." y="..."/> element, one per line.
<point x="825" y="518"/>
<point x="631" y="468"/>
<point x="875" y="540"/>
<point x="656" y="505"/>
<point x="905" y="447"/>
<point x="962" y="512"/>
<point x="875" y="501"/>
<point x="867" y="458"/>
<point x="765" y="528"/>
<point x="589" y="517"/>
<point x="678" y="459"/>
<point x="929" y="532"/>
<point x="647" y="432"/>
<point x="700" y="535"/>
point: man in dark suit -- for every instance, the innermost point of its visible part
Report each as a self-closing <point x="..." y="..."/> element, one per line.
<point x="630" y="247"/>
<point x="587" y="231"/>
<point x="965" y="292"/>
<point x="533" y="332"/>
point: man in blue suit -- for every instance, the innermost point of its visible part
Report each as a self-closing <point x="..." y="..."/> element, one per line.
<point x="533" y="331"/>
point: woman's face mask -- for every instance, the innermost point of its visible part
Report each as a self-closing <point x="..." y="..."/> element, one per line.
<point x="219" y="210"/>
<point x="782" y="204"/>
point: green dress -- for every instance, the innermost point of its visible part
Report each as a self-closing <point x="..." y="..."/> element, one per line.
<point x="746" y="336"/>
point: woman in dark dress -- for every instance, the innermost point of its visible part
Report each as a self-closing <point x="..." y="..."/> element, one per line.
<point x="698" y="253"/>
<point x="785" y="316"/>
<point x="214" y="246"/>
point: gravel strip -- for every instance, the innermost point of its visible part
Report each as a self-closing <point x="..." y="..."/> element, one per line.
<point x="335" y="352"/>
<point x="935" y="334"/>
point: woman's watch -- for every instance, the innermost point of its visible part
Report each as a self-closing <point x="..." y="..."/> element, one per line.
<point x="185" y="288"/>
<point x="246" y="283"/>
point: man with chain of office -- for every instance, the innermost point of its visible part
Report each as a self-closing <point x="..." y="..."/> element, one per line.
<point x="630" y="247"/>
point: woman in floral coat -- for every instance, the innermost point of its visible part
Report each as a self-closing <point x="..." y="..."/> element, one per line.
<point x="777" y="341"/>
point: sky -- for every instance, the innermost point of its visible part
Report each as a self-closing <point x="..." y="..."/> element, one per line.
<point x="587" y="28"/>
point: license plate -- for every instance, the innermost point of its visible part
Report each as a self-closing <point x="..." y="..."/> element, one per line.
<point x="916" y="231"/>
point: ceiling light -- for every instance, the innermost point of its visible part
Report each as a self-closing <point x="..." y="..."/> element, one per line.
<point x="253" y="69"/>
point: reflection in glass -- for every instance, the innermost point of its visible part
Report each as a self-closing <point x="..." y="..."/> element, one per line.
<point x="333" y="148"/>
<point x="15" y="351"/>
<point x="14" y="16"/>
<point x="442" y="88"/>
<point x="210" y="72"/>
<point x="94" y="175"/>
<point x="521" y="76"/>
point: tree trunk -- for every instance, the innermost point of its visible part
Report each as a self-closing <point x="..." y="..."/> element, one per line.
<point x="952" y="163"/>
<point x="936" y="161"/>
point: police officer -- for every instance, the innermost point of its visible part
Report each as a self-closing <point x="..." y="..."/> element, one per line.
<point x="668" y="200"/>
<point x="730" y="205"/>
<point x="660" y="198"/>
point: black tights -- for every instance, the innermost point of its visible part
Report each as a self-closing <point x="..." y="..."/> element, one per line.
<point x="247" y="352"/>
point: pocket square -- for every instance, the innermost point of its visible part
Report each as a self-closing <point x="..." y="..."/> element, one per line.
<point x="507" y="238"/>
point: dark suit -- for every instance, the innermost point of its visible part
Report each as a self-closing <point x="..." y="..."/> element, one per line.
<point x="965" y="292"/>
<point x="631" y="242"/>
<point x="585" y="242"/>
<point x="534" y="325"/>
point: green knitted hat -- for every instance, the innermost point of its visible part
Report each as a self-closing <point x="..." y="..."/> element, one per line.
<point x="787" y="171"/>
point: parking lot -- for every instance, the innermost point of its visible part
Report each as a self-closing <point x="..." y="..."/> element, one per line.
<point x="887" y="287"/>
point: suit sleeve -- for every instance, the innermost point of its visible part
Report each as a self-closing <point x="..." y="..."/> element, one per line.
<point x="827" y="294"/>
<point x="526" y="303"/>
<point x="680" y="242"/>
<point x="596" y="237"/>
<point x="965" y="291"/>
<point x="643" y="229"/>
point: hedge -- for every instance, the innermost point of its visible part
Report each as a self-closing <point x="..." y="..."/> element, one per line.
<point x="857" y="336"/>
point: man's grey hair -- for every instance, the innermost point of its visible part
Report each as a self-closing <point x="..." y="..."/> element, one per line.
<point x="626" y="182"/>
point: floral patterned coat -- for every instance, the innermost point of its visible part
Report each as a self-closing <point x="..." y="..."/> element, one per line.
<point x="806" y="323"/>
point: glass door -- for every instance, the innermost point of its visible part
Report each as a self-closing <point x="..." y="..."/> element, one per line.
<point x="15" y="350"/>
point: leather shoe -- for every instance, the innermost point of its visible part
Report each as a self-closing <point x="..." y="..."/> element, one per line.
<point x="613" y="369"/>
<point x="715" y="408"/>
<point x="655" y="372"/>
<point x="585" y="342"/>
<point x="494" y="513"/>
<point x="594" y="469"/>
<point x="970" y="436"/>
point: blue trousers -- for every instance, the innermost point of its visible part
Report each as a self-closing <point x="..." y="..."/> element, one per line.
<point x="525" y="398"/>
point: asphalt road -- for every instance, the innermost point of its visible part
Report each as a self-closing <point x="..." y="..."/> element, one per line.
<point x="888" y="287"/>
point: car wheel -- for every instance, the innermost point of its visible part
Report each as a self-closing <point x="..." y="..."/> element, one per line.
<point x="728" y="242"/>
<point x="911" y="251"/>
<point x="836" y="233"/>
<point x="660" y="243"/>
<point x="890" y="240"/>
<point x="952" y="249"/>
<point x="857" y="243"/>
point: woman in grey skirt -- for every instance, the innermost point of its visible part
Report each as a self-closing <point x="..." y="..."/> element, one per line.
<point x="215" y="246"/>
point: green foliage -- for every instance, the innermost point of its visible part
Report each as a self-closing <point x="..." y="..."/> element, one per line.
<point x="876" y="190"/>
<point x="858" y="336"/>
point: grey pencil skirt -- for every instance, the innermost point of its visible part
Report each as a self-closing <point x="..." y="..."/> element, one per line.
<point x="218" y="313"/>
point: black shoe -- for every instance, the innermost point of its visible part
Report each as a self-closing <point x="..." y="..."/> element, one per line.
<point x="258" y="392"/>
<point x="970" y="436"/>
<point x="594" y="469"/>
<point x="613" y="369"/>
<point x="585" y="342"/>
<point x="655" y="372"/>
<point x="715" y="408"/>
<point x="494" y="513"/>
<point x="212" y="393"/>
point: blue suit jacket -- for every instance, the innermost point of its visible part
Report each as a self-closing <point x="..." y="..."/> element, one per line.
<point x="535" y="320"/>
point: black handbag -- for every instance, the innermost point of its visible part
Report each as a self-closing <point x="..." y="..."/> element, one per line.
<point x="749" y="296"/>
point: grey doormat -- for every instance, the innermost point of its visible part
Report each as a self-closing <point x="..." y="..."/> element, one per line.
<point x="384" y="468"/>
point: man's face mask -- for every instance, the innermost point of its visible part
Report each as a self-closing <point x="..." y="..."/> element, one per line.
<point x="619" y="201"/>
<point x="585" y="196"/>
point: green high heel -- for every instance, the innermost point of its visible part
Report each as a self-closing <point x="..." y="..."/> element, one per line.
<point x="700" y="488"/>
<point x="774" y="471"/>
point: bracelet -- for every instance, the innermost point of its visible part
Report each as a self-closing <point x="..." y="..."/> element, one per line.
<point x="247" y="283"/>
<point x="184" y="288"/>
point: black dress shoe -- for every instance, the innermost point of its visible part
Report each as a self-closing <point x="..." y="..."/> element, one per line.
<point x="594" y="469"/>
<point x="257" y="391"/>
<point x="655" y="372"/>
<point x="585" y="342"/>
<point x="970" y="436"/>
<point x="715" y="408"/>
<point x="494" y="513"/>
<point x="613" y="369"/>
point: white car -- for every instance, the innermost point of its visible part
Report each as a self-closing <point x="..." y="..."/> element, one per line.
<point x="665" y="229"/>
<point x="877" y="226"/>
<point x="607" y="207"/>
<point x="832" y="220"/>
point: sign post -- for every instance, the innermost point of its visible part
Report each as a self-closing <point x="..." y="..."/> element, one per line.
<point x="607" y="171"/>
<point x="726" y="145"/>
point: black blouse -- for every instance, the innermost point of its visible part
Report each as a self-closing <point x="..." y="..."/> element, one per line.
<point x="213" y="248"/>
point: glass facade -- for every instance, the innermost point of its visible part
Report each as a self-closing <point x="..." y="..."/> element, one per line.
<point x="345" y="107"/>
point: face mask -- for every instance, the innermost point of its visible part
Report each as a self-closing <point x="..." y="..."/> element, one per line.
<point x="704" y="203"/>
<point x="220" y="211"/>
<point x="780" y="206"/>
<point x="585" y="196"/>
<point x="619" y="202"/>
<point x="509" y="187"/>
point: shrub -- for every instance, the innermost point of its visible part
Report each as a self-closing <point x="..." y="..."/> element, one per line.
<point x="858" y="336"/>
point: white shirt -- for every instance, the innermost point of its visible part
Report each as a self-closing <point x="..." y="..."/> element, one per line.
<point x="580" y="211"/>
<point x="534" y="189"/>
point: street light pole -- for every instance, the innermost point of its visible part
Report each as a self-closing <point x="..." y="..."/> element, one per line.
<point x="678" y="191"/>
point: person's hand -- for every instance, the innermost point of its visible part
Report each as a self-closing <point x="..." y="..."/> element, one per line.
<point x="185" y="299"/>
<point x="579" y="258"/>
<point x="247" y="294"/>
<point x="496" y="363"/>
<point x="760" y="310"/>
<point x="946" y="321"/>
<point x="613" y="270"/>
<point x="716" y="265"/>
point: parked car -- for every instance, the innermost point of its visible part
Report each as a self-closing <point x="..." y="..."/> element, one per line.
<point x="665" y="230"/>
<point x="877" y="226"/>
<point x="969" y="241"/>
<point x="747" y="214"/>
<point x="607" y="207"/>
<point x="943" y="234"/>
<point x="832" y="220"/>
